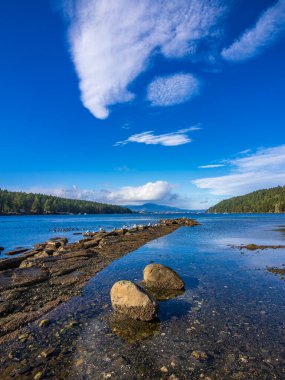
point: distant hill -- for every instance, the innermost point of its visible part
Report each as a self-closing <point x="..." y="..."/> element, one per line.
<point x="155" y="208"/>
<point x="20" y="203"/>
<point x="261" y="201"/>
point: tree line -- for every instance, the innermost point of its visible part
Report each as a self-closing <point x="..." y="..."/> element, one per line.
<point x="260" y="201"/>
<point x="20" y="203"/>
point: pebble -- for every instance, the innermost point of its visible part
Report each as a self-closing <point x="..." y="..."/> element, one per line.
<point x="70" y="324"/>
<point x="106" y="375"/>
<point x="47" y="352"/>
<point x="23" y="337"/>
<point x="164" y="369"/>
<point x="79" y="362"/>
<point x="38" y="375"/>
<point x="44" y="322"/>
<point x="199" y="355"/>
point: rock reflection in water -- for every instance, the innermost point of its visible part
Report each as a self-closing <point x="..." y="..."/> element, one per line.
<point x="163" y="294"/>
<point x="130" y="330"/>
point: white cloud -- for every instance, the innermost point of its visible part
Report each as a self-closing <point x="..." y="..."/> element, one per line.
<point x="172" y="89"/>
<point x="158" y="191"/>
<point x="267" y="29"/>
<point x="263" y="169"/>
<point x="112" y="42"/>
<point x="213" y="166"/>
<point x="168" y="139"/>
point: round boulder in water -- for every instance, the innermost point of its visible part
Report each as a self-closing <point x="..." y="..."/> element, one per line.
<point x="161" y="277"/>
<point x="131" y="300"/>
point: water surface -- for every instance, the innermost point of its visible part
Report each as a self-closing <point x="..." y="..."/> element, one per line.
<point x="232" y="310"/>
<point x="28" y="230"/>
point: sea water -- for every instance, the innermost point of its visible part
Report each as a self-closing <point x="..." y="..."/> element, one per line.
<point x="232" y="309"/>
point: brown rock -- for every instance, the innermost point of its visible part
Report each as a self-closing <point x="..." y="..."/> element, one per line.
<point x="11" y="263"/>
<point x="48" y="352"/>
<point x="161" y="277"/>
<point x="130" y="299"/>
<point x="91" y="243"/>
<point x="29" y="276"/>
<point x="16" y="251"/>
<point x="22" y="277"/>
<point x="199" y="355"/>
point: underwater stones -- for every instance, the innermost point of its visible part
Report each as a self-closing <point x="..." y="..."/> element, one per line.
<point x="131" y="300"/>
<point x="199" y="355"/>
<point x="159" y="276"/>
<point x="131" y="330"/>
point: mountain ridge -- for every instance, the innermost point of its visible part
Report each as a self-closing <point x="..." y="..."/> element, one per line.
<point x="156" y="208"/>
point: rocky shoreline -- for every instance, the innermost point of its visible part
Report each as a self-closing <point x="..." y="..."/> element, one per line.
<point x="37" y="281"/>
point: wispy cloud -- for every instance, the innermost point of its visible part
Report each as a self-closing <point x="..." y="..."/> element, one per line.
<point x="213" y="166"/>
<point x="172" y="89"/>
<point x="113" y="41"/>
<point x="168" y="139"/>
<point x="263" y="169"/>
<point x="267" y="29"/>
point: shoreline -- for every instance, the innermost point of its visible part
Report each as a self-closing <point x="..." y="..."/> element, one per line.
<point x="39" y="280"/>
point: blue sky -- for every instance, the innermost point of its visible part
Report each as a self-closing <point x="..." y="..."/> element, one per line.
<point x="133" y="102"/>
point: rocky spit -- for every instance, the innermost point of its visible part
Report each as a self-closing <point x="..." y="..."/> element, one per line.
<point x="39" y="280"/>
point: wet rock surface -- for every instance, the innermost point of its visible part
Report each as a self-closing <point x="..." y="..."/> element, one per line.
<point x="255" y="247"/>
<point x="40" y="279"/>
<point x="132" y="331"/>
<point x="159" y="276"/>
<point x="16" y="251"/>
<point x="130" y="299"/>
<point x="278" y="271"/>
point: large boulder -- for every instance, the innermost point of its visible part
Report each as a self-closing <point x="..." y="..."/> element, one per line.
<point x="131" y="300"/>
<point x="161" y="277"/>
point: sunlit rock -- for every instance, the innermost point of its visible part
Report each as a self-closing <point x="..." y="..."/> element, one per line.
<point x="131" y="300"/>
<point x="159" y="276"/>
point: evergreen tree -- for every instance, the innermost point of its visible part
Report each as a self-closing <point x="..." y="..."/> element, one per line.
<point x="23" y="203"/>
<point x="261" y="201"/>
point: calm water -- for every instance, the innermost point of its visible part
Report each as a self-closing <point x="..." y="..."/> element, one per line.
<point x="26" y="231"/>
<point x="233" y="309"/>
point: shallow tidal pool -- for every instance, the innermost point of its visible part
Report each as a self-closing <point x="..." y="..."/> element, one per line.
<point x="228" y="324"/>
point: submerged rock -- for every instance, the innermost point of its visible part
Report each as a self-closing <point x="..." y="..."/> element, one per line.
<point x="163" y="294"/>
<point x="199" y="355"/>
<point x="159" y="276"/>
<point x="131" y="300"/>
<point x="131" y="330"/>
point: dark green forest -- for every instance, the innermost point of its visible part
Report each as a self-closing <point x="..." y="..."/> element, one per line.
<point x="20" y="203"/>
<point x="261" y="201"/>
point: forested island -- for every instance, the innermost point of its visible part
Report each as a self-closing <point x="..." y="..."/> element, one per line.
<point x="20" y="203"/>
<point x="260" y="201"/>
